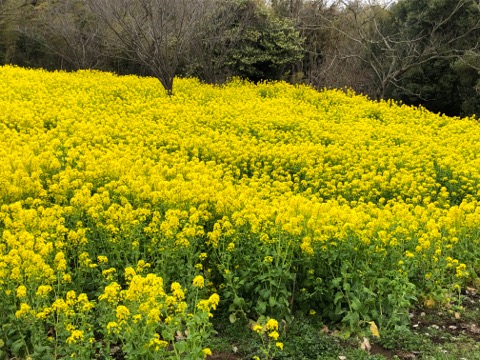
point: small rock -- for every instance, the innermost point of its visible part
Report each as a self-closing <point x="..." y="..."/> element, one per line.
<point x="474" y="329"/>
<point x="366" y="345"/>
<point x="407" y="355"/>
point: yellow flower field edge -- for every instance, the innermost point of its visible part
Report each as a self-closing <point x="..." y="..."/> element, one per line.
<point x="127" y="216"/>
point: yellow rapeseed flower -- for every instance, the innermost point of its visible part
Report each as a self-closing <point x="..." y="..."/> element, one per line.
<point x="271" y="324"/>
<point x="43" y="290"/>
<point x="274" y="335"/>
<point x="122" y="313"/>
<point x="21" y="291"/>
<point x="75" y="335"/>
<point x="257" y="328"/>
<point x="23" y="311"/>
<point x="198" y="282"/>
<point x="111" y="325"/>
<point x="102" y="259"/>
<point x="206" y="352"/>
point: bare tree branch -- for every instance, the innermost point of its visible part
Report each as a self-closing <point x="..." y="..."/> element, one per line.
<point x="68" y="29"/>
<point x="390" y="53"/>
<point x="155" y="33"/>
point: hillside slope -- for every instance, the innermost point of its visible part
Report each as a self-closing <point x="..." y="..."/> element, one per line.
<point x="281" y="198"/>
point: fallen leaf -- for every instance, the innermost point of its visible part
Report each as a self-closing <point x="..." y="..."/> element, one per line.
<point x="374" y="329"/>
<point x="457" y="315"/>
<point x="429" y="303"/>
<point x="341" y="357"/>
<point x="325" y="330"/>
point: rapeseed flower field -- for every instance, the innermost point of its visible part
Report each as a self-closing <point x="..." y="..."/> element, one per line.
<point x="128" y="216"/>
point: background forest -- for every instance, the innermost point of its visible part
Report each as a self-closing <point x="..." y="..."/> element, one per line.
<point x="420" y="52"/>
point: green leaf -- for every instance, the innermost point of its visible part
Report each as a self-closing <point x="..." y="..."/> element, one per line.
<point x="239" y="301"/>
<point x="338" y="297"/>
<point x="336" y="282"/>
<point x="265" y="293"/>
<point x="261" y="307"/>
<point x="181" y="346"/>
<point x="339" y="310"/>
<point x="356" y="304"/>
<point x="167" y="335"/>
<point x="48" y="357"/>
<point x="352" y="319"/>
<point x="17" y="346"/>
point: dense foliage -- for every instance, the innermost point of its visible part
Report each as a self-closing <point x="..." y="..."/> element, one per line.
<point x="127" y="216"/>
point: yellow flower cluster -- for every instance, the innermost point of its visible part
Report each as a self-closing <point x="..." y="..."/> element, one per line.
<point x="106" y="178"/>
<point x="145" y="305"/>
<point x="198" y="282"/>
<point x="68" y="307"/>
<point x="210" y="304"/>
<point x="267" y="331"/>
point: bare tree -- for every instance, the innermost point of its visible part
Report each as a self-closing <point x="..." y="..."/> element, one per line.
<point x="321" y="66"/>
<point x="289" y="8"/>
<point x="154" y="33"/>
<point x="11" y="12"/>
<point x="68" y="29"/>
<point x="388" y="48"/>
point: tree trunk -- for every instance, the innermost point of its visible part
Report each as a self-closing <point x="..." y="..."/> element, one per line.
<point x="167" y="83"/>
